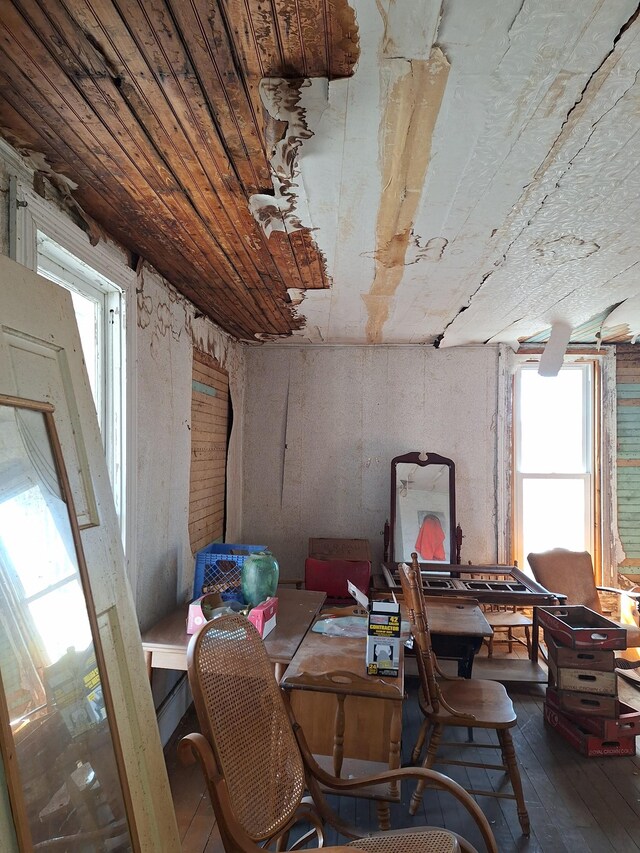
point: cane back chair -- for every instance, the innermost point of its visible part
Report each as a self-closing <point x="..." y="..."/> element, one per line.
<point x="258" y="767"/>
<point x="459" y="702"/>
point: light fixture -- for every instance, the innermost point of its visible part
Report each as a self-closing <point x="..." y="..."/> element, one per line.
<point x="552" y="357"/>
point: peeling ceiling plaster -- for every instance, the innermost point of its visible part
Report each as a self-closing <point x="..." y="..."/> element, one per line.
<point x="477" y="179"/>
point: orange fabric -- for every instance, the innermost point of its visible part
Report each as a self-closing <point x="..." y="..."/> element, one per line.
<point x="430" y="541"/>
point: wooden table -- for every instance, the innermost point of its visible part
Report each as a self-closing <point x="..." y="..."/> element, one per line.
<point x="457" y="629"/>
<point x="165" y="644"/>
<point x="327" y="682"/>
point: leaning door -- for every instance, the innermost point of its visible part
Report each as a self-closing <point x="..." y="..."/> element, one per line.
<point x="41" y="360"/>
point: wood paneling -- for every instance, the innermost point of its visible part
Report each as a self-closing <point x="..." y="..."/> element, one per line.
<point x="628" y="455"/>
<point x="152" y="108"/>
<point x="209" y="432"/>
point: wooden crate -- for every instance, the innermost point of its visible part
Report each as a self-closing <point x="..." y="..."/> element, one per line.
<point x="598" y="659"/>
<point x="578" y="627"/>
<point x="575" y="703"/>
<point x="626" y="724"/>
<point x="583" y="680"/>
<point x="584" y="741"/>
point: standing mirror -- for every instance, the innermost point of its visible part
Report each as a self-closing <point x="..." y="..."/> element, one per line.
<point x="60" y="749"/>
<point x="423" y="508"/>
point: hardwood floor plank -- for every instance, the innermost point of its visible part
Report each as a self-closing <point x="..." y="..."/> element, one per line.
<point x="575" y="803"/>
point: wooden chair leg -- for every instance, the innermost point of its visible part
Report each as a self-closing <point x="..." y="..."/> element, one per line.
<point x="527" y="636"/>
<point x="417" y="749"/>
<point x="509" y="760"/>
<point x="432" y="748"/>
<point x="510" y="639"/>
<point x="490" y="646"/>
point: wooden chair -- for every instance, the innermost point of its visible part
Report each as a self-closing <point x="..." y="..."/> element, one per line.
<point x="258" y="767"/>
<point x="505" y="618"/>
<point x="460" y="703"/>
<point x="571" y="573"/>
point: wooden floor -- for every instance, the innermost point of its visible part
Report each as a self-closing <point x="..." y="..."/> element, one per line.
<point x="574" y="803"/>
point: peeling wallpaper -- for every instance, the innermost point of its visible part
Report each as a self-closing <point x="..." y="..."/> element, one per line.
<point x="167" y="333"/>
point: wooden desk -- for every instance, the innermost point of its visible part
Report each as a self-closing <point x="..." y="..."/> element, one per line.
<point x="327" y="680"/>
<point x="165" y="644"/>
<point x="457" y="629"/>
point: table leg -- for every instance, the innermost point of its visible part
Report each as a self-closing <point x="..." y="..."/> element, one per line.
<point x="338" y="736"/>
<point x="147" y="659"/>
<point x="534" y="636"/>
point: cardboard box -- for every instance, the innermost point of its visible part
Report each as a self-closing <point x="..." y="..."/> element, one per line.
<point x="340" y="549"/>
<point x="199" y="610"/>
<point x="263" y="616"/>
<point x="383" y="634"/>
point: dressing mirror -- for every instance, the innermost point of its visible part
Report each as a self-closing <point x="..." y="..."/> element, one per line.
<point x="423" y="508"/>
<point x="59" y="743"/>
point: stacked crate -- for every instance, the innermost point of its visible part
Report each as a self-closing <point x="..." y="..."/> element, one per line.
<point x="582" y="702"/>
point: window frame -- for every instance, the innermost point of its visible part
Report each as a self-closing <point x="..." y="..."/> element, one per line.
<point x="32" y="215"/>
<point x="589" y="455"/>
<point x="605" y="531"/>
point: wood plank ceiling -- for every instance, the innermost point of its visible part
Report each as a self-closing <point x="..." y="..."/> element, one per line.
<point x="153" y="109"/>
<point x="398" y="171"/>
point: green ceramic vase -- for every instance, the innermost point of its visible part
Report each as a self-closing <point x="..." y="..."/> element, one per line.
<point x="260" y="574"/>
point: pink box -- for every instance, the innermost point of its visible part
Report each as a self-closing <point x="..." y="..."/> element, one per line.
<point x="195" y="617"/>
<point x="263" y="616"/>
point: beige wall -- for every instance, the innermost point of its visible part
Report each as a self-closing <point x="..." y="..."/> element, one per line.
<point x="321" y="426"/>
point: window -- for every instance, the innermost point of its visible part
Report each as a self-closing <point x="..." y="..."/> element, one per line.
<point x="554" y="493"/>
<point x="99" y="309"/>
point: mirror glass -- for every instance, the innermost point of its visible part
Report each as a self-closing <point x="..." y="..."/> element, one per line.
<point x="423" y="508"/>
<point x="55" y="709"/>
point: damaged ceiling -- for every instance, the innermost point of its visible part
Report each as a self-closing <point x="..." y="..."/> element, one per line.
<point x="398" y="171"/>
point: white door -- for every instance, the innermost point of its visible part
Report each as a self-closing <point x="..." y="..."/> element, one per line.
<point x="41" y="359"/>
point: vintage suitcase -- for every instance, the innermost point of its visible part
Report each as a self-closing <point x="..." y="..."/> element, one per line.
<point x="583" y="680"/>
<point x="584" y="741"/>
<point x="598" y="659"/>
<point x="579" y="627"/>
<point x="627" y="724"/>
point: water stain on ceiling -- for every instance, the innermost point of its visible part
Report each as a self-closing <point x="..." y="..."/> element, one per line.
<point x="318" y="171"/>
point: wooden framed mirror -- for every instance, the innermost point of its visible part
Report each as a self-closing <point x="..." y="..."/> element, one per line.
<point x="423" y="509"/>
<point x="59" y="742"/>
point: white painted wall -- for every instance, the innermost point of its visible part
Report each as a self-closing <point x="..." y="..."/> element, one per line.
<point x="160" y="360"/>
<point x="321" y="425"/>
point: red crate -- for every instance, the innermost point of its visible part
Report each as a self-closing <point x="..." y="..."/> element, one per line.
<point x="595" y="659"/>
<point x="626" y="724"/>
<point x="588" y="704"/>
<point x="584" y="741"/>
<point x="579" y="627"/>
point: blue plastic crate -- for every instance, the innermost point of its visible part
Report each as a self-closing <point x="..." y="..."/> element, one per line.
<point x="218" y="569"/>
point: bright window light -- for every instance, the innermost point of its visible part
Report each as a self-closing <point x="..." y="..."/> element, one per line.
<point x="553" y="494"/>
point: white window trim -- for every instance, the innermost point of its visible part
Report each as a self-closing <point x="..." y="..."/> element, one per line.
<point x="32" y="214"/>
<point x="611" y="548"/>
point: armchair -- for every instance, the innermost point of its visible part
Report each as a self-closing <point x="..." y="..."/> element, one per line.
<point x="571" y="573"/>
<point x="257" y="765"/>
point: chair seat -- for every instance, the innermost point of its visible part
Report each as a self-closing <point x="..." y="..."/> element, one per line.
<point x="426" y="840"/>
<point x="487" y="701"/>
<point x="507" y="619"/>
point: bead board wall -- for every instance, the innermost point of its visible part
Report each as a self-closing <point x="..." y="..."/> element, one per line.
<point x="628" y="461"/>
<point x="209" y="436"/>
